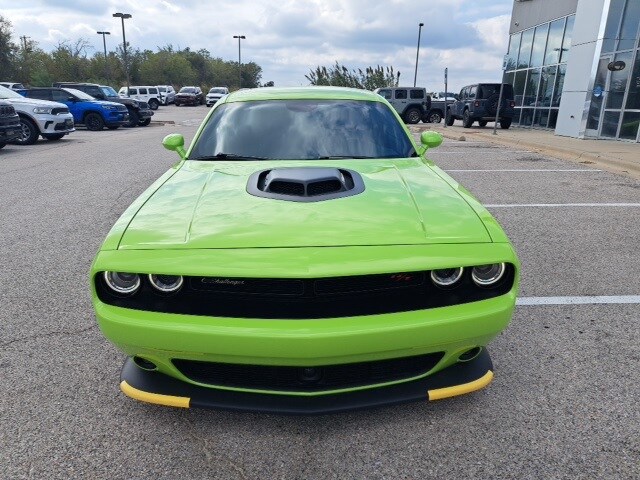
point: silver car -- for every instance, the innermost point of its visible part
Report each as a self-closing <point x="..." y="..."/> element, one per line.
<point x="215" y="94"/>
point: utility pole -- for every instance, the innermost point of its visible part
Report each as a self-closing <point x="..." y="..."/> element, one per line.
<point x="104" y="43"/>
<point x="239" y="37"/>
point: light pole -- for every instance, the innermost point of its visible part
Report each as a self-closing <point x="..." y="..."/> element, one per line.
<point x="122" y="16"/>
<point x="415" y="76"/>
<point x="239" y="37"/>
<point x="104" y="42"/>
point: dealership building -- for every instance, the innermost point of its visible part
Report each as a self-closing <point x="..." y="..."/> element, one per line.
<point x="575" y="67"/>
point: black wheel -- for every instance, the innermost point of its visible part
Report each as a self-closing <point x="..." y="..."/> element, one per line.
<point x="176" y="104"/>
<point x="53" y="136"/>
<point x="482" y="123"/>
<point x="93" y="121"/>
<point x="467" y="121"/>
<point x="113" y="127"/>
<point x="435" y="117"/>
<point x="29" y="133"/>
<point x="153" y="104"/>
<point x="412" y="116"/>
<point x="145" y="122"/>
<point x="2" y="144"/>
<point x="492" y="104"/>
<point x="505" y="123"/>
<point x="449" y="119"/>
<point x="134" y="119"/>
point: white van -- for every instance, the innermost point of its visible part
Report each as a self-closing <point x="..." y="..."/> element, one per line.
<point x="144" y="93"/>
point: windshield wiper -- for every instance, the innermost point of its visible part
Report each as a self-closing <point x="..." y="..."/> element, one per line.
<point x="228" y="156"/>
<point x="331" y="157"/>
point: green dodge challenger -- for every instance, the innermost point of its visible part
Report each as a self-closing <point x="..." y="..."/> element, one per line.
<point x="304" y="256"/>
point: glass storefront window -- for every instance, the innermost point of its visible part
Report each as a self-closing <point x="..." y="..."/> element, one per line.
<point x="566" y="43"/>
<point x="557" y="91"/>
<point x="539" y="44"/>
<point x="553" y="117"/>
<point x="629" y="127"/>
<point x="531" y="89"/>
<point x="618" y="81"/>
<point x="554" y="44"/>
<point x="541" y="117"/>
<point x="514" y="48"/>
<point x="613" y="23"/>
<point x="633" y="97"/>
<point x="610" y="124"/>
<point x="525" y="48"/>
<point x="547" y="82"/>
<point x="630" y="23"/>
<point x="518" y="86"/>
<point x="527" y="117"/>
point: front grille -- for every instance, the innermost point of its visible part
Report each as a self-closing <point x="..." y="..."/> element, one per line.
<point x="143" y="105"/>
<point x="59" y="111"/>
<point x="7" y="111"/>
<point x="309" y="298"/>
<point x="307" y="379"/>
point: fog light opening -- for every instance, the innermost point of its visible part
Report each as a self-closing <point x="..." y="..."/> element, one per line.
<point x="144" y="363"/>
<point x="470" y="354"/>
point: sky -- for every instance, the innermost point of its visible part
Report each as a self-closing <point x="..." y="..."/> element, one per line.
<point x="288" y="38"/>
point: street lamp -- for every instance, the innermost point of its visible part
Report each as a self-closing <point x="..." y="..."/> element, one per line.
<point x="415" y="77"/>
<point x="122" y="16"/>
<point x="239" y="37"/>
<point x="104" y="42"/>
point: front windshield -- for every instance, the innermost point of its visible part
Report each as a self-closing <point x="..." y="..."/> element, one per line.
<point x="217" y="90"/>
<point x="187" y="90"/>
<point x="303" y="130"/>
<point x="79" y="94"/>
<point x="108" y="92"/>
<point x="8" y="93"/>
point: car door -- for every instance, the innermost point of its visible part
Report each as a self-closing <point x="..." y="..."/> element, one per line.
<point x="65" y="97"/>
<point x="400" y="100"/>
<point x="461" y="102"/>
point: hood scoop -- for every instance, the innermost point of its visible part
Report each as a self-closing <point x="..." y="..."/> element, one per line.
<point x="305" y="184"/>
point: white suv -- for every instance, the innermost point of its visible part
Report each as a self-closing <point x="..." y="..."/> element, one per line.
<point x="215" y="94"/>
<point x="167" y="94"/>
<point x="52" y="120"/>
<point x="144" y="93"/>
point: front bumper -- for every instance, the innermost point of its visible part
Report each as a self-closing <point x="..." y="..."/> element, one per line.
<point x="117" y="118"/>
<point x="157" y="388"/>
<point x="56" y="123"/>
<point x="144" y="114"/>
<point x="9" y="132"/>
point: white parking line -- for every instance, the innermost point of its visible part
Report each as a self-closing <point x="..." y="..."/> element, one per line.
<point x="560" y="205"/>
<point x="583" y="170"/>
<point x="588" y="300"/>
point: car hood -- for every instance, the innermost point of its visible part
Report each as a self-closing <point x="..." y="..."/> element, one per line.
<point x="206" y="205"/>
<point x="34" y="102"/>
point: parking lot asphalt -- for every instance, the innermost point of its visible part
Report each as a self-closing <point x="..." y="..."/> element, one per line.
<point x="564" y="403"/>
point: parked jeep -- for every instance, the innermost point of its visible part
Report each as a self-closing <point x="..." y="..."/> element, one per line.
<point x="94" y="114"/>
<point x="412" y="103"/>
<point x="139" y="111"/>
<point x="9" y="123"/>
<point x="479" y="103"/>
<point x="52" y="120"/>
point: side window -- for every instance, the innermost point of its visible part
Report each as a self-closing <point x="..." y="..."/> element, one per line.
<point x="59" y="95"/>
<point x="143" y="91"/>
<point x="153" y="91"/>
<point x="132" y="91"/>
<point x="401" y="94"/>
<point x="472" y="93"/>
<point x="462" y="93"/>
<point x="385" y="94"/>
<point x="416" y="94"/>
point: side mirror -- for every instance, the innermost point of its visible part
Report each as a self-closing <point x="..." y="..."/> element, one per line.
<point x="430" y="139"/>
<point x="175" y="143"/>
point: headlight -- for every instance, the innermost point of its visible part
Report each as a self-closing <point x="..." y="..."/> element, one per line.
<point x="109" y="107"/>
<point x="446" y="277"/>
<point x="166" y="283"/>
<point x="122" y="282"/>
<point x="42" y="110"/>
<point x="487" y="275"/>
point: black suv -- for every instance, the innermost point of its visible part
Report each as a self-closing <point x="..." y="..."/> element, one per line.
<point x="10" y="128"/>
<point x="139" y="112"/>
<point x="412" y="103"/>
<point x="479" y="103"/>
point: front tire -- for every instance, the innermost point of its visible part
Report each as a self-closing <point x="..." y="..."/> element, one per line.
<point x="134" y="119"/>
<point x="29" y="132"/>
<point x="435" y="117"/>
<point x="53" y="136"/>
<point x="94" y="122"/>
<point x="467" y="121"/>
<point x="449" y="119"/>
<point x="505" y="123"/>
<point x="153" y="104"/>
<point x="145" y="122"/>
<point x="412" y="116"/>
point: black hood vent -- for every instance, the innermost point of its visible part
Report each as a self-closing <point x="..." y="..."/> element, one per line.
<point x="305" y="184"/>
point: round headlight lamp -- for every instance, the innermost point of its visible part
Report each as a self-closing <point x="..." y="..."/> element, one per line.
<point x="166" y="283"/>
<point x="122" y="282"/>
<point x="487" y="275"/>
<point x="446" y="277"/>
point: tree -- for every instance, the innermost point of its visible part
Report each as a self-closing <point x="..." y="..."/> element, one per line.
<point x="8" y="49"/>
<point x="340" y="76"/>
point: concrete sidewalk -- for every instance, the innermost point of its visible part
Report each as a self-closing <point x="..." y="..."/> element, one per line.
<point x="610" y="155"/>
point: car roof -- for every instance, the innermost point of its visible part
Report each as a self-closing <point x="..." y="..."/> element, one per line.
<point x="311" y="93"/>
